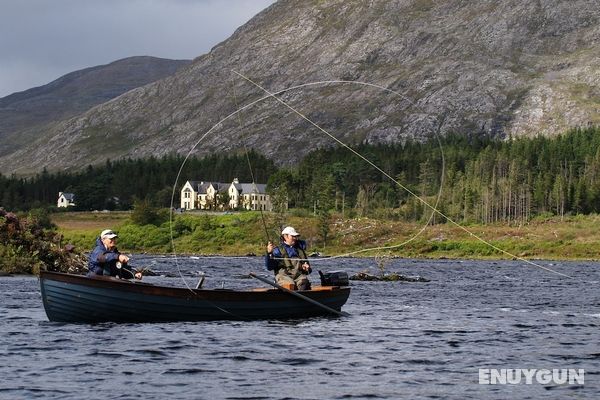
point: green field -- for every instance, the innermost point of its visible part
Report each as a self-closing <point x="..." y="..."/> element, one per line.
<point x="243" y="233"/>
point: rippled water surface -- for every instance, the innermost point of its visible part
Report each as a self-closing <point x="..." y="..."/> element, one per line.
<point x="402" y="340"/>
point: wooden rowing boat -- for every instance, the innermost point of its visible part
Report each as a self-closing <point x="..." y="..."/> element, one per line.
<point x="78" y="298"/>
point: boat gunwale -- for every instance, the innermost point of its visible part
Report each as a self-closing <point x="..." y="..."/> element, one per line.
<point x="105" y="282"/>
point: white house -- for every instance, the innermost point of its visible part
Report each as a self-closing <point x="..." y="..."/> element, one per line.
<point x="200" y="195"/>
<point x="250" y="196"/>
<point x="208" y="195"/>
<point x="65" y="199"/>
<point x="189" y="195"/>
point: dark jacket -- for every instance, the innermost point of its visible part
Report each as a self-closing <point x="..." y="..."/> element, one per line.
<point x="104" y="262"/>
<point x="282" y="255"/>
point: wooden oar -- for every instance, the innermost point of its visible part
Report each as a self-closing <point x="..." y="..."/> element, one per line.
<point x="316" y="303"/>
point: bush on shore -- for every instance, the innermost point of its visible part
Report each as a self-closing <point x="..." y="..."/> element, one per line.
<point x="26" y="246"/>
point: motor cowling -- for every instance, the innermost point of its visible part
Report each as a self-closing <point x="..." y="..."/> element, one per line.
<point x="334" y="278"/>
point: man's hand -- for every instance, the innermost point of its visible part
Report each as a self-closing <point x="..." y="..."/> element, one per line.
<point x="138" y="276"/>
<point x="270" y="247"/>
<point x="306" y="267"/>
<point x="123" y="258"/>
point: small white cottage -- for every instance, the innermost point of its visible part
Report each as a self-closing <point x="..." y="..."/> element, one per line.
<point x="65" y="199"/>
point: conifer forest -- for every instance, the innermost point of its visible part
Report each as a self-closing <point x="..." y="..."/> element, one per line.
<point x="467" y="178"/>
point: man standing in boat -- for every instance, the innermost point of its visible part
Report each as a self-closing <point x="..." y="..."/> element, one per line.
<point x="289" y="261"/>
<point x="106" y="259"/>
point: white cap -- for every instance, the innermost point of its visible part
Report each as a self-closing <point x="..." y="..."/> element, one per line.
<point x="289" y="231"/>
<point x="108" y="233"/>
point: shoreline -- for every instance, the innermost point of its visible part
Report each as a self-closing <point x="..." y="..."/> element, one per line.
<point x="450" y="260"/>
<point x="242" y="234"/>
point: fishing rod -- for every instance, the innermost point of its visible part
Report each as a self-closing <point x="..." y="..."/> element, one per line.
<point x="262" y="216"/>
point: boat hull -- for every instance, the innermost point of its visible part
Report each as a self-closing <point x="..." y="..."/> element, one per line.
<point x="76" y="298"/>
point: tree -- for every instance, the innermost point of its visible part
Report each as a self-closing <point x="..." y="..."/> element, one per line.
<point x="363" y="198"/>
<point x="558" y="196"/>
<point x="144" y="213"/>
<point x="223" y="200"/>
<point x="279" y="187"/>
<point x="162" y="198"/>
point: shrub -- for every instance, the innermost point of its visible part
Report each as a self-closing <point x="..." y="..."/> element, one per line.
<point x="26" y="247"/>
<point x="146" y="214"/>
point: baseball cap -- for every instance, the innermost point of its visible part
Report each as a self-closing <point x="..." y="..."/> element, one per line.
<point x="108" y="233"/>
<point x="289" y="231"/>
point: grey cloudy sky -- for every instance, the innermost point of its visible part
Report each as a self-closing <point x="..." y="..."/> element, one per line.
<point x="41" y="40"/>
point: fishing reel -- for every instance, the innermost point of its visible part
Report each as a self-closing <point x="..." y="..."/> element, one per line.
<point x="119" y="266"/>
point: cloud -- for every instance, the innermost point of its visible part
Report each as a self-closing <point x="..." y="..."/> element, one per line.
<point x="41" y="40"/>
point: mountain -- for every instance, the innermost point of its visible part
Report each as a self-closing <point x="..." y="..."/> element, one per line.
<point x="24" y="114"/>
<point x="494" y="67"/>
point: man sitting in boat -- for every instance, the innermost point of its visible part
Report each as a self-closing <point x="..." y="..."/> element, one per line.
<point x="289" y="261"/>
<point x="106" y="259"/>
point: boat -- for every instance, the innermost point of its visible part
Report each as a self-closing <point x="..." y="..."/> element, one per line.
<point x="78" y="298"/>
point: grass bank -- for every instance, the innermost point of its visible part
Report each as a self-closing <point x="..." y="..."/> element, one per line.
<point x="571" y="238"/>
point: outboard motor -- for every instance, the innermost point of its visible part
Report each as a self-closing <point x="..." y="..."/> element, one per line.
<point x="334" y="278"/>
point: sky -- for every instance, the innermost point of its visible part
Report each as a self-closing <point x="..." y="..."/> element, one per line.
<point x="42" y="40"/>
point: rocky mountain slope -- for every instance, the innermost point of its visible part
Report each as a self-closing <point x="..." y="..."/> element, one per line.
<point x="499" y="67"/>
<point x="24" y="115"/>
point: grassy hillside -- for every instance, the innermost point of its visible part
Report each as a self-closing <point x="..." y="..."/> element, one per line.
<point x="244" y="233"/>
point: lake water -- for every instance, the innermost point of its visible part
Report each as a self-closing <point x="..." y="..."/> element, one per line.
<point x="402" y="340"/>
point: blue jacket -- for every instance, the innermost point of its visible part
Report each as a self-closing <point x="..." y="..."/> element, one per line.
<point x="273" y="262"/>
<point x="104" y="262"/>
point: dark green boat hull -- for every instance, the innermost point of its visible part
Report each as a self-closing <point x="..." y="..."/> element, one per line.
<point x="77" y="298"/>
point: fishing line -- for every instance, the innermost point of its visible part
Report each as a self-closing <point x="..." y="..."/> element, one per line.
<point x="179" y="172"/>
<point x="274" y="95"/>
<point x="262" y="217"/>
<point x="430" y="217"/>
<point x="437" y="135"/>
<point x="425" y="203"/>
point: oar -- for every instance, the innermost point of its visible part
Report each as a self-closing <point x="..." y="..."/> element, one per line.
<point x="316" y="303"/>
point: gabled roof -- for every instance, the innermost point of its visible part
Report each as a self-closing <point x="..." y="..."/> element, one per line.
<point x="258" y="188"/>
<point x="261" y="187"/>
<point x="68" y="196"/>
<point x="194" y="184"/>
<point x="201" y="187"/>
<point x="221" y="187"/>
<point x="218" y="186"/>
